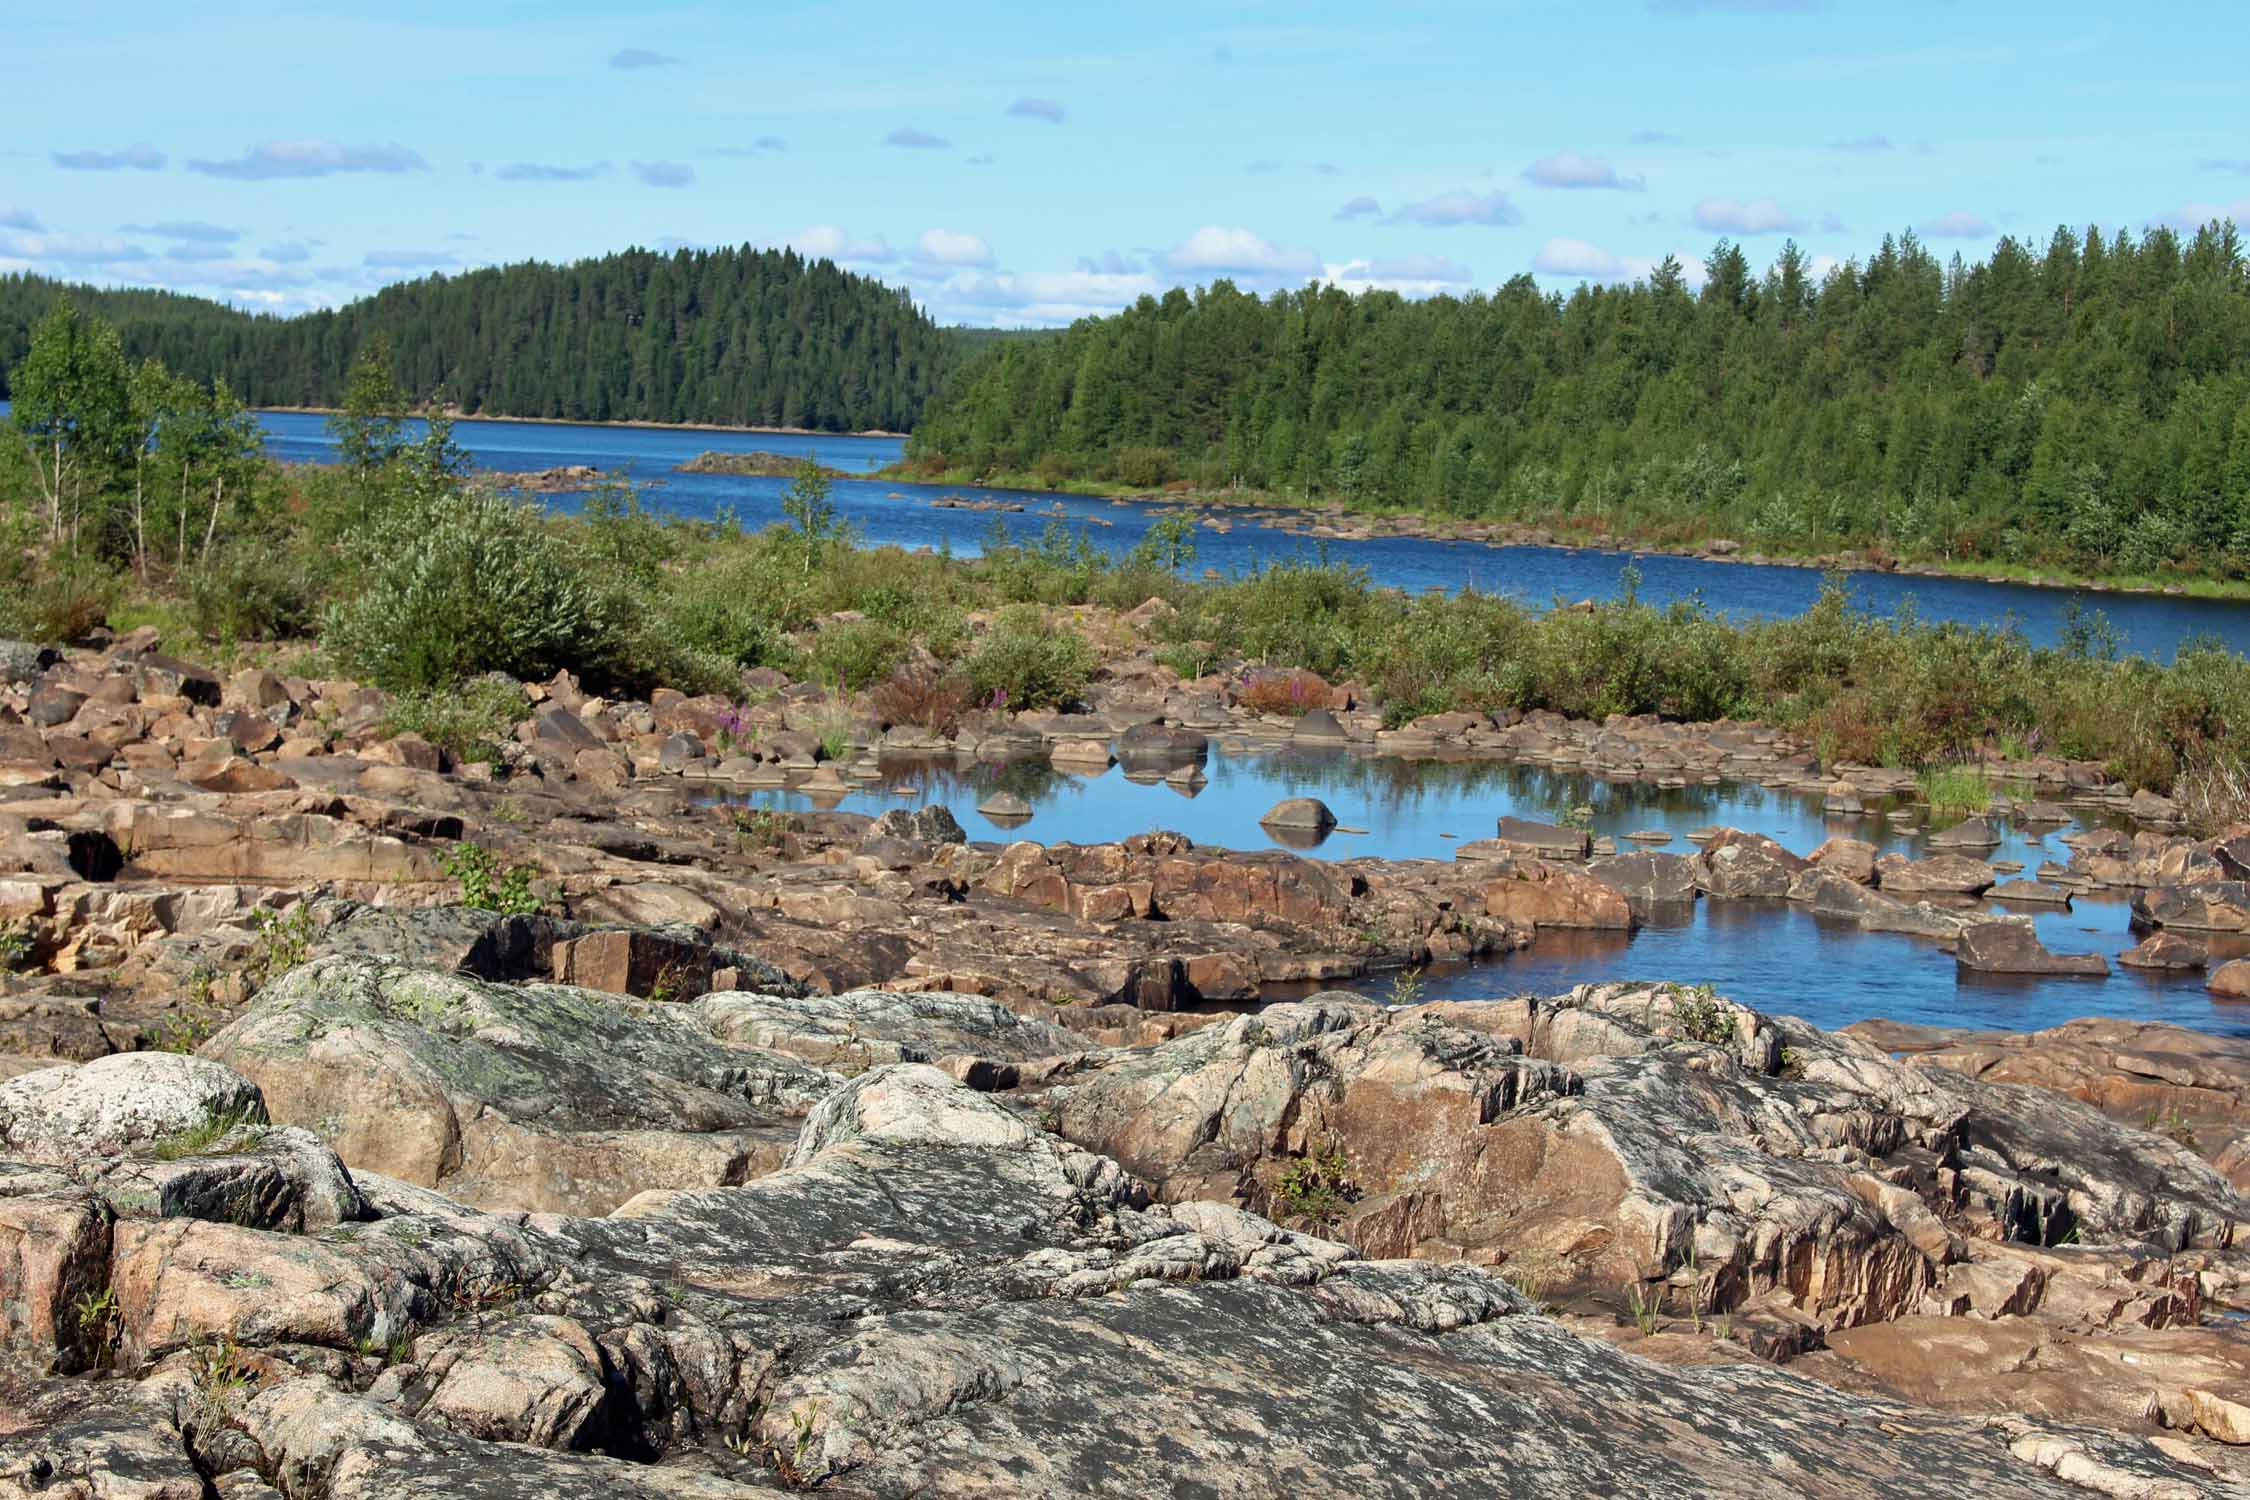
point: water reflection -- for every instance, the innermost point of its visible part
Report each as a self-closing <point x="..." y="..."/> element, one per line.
<point x="1769" y="954"/>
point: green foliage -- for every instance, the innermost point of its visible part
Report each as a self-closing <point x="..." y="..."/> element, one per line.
<point x="1956" y="792"/>
<point x="1702" y="1016"/>
<point x="252" y="590"/>
<point x="470" y="721"/>
<point x="213" y="1130"/>
<point x="16" y="947"/>
<point x="805" y="502"/>
<point x="55" y="597"/>
<point x="99" y="1324"/>
<point x="759" y="830"/>
<point x="283" y="942"/>
<point x="1647" y="1306"/>
<point x="1406" y="988"/>
<point x="471" y="582"/>
<point x="1023" y="664"/>
<point x="622" y="337"/>
<point x="2042" y="406"/>
<point x="1169" y="542"/>
<point x="858" y="653"/>
<point x="1317" y="1187"/>
<point x="483" y="885"/>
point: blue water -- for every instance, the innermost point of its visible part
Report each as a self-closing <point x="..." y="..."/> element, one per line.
<point x="900" y="514"/>
<point x="1770" y="955"/>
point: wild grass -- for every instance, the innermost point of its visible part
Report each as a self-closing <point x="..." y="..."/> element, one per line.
<point x="1956" y="791"/>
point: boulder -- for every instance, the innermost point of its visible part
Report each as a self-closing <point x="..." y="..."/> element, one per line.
<point x="934" y="824"/>
<point x="129" y="1102"/>
<point x="1939" y="875"/>
<point x="1827" y="894"/>
<point x="1542" y="840"/>
<point x="860" y="1029"/>
<point x="1307" y="813"/>
<point x="1649" y="881"/>
<point x="2230" y="980"/>
<point x="2165" y="950"/>
<point x="2030" y="893"/>
<point x="1735" y="865"/>
<point x="1854" y="859"/>
<point x="540" y="1097"/>
<point x="1004" y="805"/>
<point x="1970" y="833"/>
<point x="1543" y="893"/>
<point x="2207" y="906"/>
<point x="1320" y="724"/>
<point x="22" y="662"/>
<point x="2012" y="946"/>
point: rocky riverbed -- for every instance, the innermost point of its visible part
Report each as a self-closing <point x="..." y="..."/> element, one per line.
<point x="837" y="1152"/>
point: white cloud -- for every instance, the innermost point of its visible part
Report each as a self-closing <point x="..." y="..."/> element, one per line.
<point x="1451" y="210"/>
<point x="1238" y="252"/>
<point x="1864" y="143"/>
<point x="1570" y="169"/>
<point x="16" y="216"/>
<point x="630" y="58"/>
<point x="916" y="140"/>
<point x="950" y="247"/>
<point x="1760" y="216"/>
<point x="2238" y="165"/>
<point x="1567" y="257"/>
<point x="311" y="157"/>
<point x="406" y="260"/>
<point x="68" y="249"/>
<point x="829" y="242"/>
<point x="1359" y="208"/>
<point x="1034" y="298"/>
<point x="140" y="156"/>
<point x="2191" y="216"/>
<point x="1653" y="138"/>
<point x="185" y="229"/>
<point x="532" y="171"/>
<point x="1408" y="275"/>
<point x="1109" y="263"/>
<point x="1028" y="108"/>
<point x="664" y="174"/>
<point x="288" y="252"/>
<point x="1958" y="225"/>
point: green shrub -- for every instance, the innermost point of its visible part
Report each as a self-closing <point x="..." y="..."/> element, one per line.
<point x="251" y="591"/>
<point x="484" y="885"/>
<point x="1023" y="664"/>
<point x="469" y="722"/>
<point x="469" y="583"/>
<point x="858" y="653"/>
<point x="55" y="597"/>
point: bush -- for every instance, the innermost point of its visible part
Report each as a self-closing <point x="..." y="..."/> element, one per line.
<point x="251" y="591"/>
<point x="1022" y="664"/>
<point x="922" y="696"/>
<point x="470" y="722"/>
<point x="1291" y="693"/>
<point x="468" y="583"/>
<point x="55" y="598"/>
<point x="857" y="653"/>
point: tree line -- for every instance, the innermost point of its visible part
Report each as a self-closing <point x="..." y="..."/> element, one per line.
<point x="2088" y="403"/>
<point x="740" y="337"/>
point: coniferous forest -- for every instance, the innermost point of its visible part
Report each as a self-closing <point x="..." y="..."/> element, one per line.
<point x="2085" y="403"/>
<point x="742" y="337"/>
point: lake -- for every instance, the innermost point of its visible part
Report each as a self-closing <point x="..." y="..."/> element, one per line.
<point x="1771" y="955"/>
<point x="901" y="514"/>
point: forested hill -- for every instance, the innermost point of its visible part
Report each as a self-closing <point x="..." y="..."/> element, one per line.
<point x="2086" y="401"/>
<point x="745" y="337"/>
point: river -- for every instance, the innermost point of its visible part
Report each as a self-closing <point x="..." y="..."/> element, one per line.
<point x="901" y="514"/>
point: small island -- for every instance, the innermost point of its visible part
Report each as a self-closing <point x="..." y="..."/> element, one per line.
<point x="772" y="465"/>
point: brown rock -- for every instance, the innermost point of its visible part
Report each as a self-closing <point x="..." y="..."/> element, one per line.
<point x="1854" y="859"/>
<point x="2230" y="980"/>
<point x="2012" y="946"/>
<point x="2165" y="950"/>
<point x="1541" y="893"/>
<point x="1940" y="874"/>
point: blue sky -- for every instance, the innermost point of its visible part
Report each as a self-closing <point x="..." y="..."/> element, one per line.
<point x="1027" y="165"/>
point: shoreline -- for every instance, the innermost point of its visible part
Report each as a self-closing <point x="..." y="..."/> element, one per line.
<point x="462" y="416"/>
<point x="1337" y="523"/>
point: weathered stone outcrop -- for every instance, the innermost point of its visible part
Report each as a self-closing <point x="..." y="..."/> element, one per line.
<point x="936" y="1298"/>
<point x="1625" y="1135"/>
<point x="540" y="1097"/>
